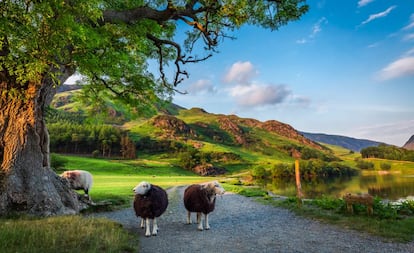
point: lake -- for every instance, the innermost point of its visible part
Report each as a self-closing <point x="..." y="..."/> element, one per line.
<point x="391" y="185"/>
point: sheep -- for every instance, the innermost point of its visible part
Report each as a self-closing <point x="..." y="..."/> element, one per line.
<point x="79" y="180"/>
<point x="201" y="198"/>
<point x="149" y="203"/>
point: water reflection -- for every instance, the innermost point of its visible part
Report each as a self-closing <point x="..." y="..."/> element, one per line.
<point x="391" y="186"/>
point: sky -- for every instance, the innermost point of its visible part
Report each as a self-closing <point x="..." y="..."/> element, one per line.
<point x="345" y="68"/>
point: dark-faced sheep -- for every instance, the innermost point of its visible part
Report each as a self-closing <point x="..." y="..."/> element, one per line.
<point x="150" y="202"/>
<point x="79" y="180"/>
<point x="201" y="199"/>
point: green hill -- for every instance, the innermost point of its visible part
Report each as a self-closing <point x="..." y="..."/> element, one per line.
<point x="225" y="140"/>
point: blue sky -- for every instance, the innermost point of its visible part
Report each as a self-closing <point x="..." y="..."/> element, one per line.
<point x="346" y="68"/>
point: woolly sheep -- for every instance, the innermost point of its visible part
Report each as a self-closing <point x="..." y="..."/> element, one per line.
<point x="201" y="198"/>
<point x="79" y="180"/>
<point x="149" y="203"/>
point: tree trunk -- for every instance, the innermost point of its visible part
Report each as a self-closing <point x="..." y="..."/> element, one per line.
<point x="27" y="184"/>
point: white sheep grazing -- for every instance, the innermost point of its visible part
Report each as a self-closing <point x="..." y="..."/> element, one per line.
<point x="149" y="203"/>
<point x="79" y="180"/>
<point x="201" y="199"/>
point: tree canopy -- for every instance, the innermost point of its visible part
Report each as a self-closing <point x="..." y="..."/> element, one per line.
<point x="111" y="42"/>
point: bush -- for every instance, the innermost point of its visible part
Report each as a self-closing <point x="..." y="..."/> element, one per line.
<point x="281" y="170"/>
<point x="364" y="165"/>
<point x="96" y="153"/>
<point x="260" y="172"/>
<point x="57" y="162"/>
<point x="385" y="166"/>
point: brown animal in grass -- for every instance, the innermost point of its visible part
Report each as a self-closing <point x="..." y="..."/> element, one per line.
<point x="363" y="199"/>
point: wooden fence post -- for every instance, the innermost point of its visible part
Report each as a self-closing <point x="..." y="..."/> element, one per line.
<point x="298" y="185"/>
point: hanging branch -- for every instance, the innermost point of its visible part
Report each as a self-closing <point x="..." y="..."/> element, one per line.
<point x="179" y="60"/>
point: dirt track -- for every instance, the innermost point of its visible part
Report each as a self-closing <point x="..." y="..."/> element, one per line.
<point x="240" y="224"/>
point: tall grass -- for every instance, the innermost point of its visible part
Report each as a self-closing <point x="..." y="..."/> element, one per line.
<point x="64" y="234"/>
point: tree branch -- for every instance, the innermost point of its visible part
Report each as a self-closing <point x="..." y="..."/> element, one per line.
<point x="180" y="59"/>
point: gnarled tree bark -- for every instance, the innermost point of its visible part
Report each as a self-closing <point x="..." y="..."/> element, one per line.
<point x="27" y="184"/>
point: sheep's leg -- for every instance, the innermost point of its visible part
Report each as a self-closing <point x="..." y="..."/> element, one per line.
<point x="147" y="229"/>
<point x="154" y="226"/>
<point x="142" y="223"/>
<point x="87" y="194"/>
<point x="189" y="217"/>
<point x="199" y="222"/>
<point x="206" y="220"/>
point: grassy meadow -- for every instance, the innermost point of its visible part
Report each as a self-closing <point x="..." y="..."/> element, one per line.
<point x="115" y="178"/>
<point x="113" y="182"/>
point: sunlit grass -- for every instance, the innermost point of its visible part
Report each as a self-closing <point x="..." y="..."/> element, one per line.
<point x="114" y="179"/>
<point x="64" y="234"/>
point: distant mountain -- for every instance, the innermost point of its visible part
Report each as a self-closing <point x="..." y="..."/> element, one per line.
<point x="68" y="87"/>
<point x="343" y="141"/>
<point x="409" y="144"/>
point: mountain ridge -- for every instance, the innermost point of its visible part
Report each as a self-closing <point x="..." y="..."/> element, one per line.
<point x="350" y="143"/>
<point x="409" y="144"/>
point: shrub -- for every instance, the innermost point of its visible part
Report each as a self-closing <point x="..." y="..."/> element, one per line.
<point x="385" y="166"/>
<point x="260" y="172"/>
<point x="95" y="153"/>
<point x="283" y="170"/>
<point x="57" y="162"/>
<point x="406" y="207"/>
<point x="364" y="165"/>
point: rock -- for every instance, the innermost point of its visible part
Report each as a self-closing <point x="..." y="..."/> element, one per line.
<point x="208" y="170"/>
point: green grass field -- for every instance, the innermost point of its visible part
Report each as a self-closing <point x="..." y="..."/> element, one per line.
<point x="113" y="181"/>
<point x="116" y="178"/>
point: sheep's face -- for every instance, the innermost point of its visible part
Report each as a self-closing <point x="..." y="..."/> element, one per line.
<point x="142" y="188"/>
<point x="218" y="189"/>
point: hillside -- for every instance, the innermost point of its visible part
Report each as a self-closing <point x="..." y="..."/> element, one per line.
<point x="409" y="144"/>
<point x="342" y="141"/>
<point x="175" y="128"/>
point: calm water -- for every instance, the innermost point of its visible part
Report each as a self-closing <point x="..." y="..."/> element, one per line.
<point x="392" y="186"/>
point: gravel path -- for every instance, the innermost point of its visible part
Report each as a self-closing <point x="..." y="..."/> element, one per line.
<point x="239" y="224"/>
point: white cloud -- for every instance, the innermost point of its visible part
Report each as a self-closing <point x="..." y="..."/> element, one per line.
<point x="373" y="45"/>
<point x="409" y="52"/>
<point x="301" y="101"/>
<point x="74" y="79"/>
<point x="201" y="86"/>
<point x="379" y="15"/>
<point x="409" y="37"/>
<point x="411" y="25"/>
<point x="301" y="41"/>
<point x="259" y="95"/>
<point x="316" y="28"/>
<point x="362" y="3"/>
<point x="396" y="133"/>
<point x="399" y="68"/>
<point x="240" y="73"/>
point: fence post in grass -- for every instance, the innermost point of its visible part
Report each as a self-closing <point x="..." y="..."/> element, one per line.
<point x="298" y="185"/>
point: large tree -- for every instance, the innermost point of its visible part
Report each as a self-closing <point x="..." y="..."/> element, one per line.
<point x="112" y="44"/>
